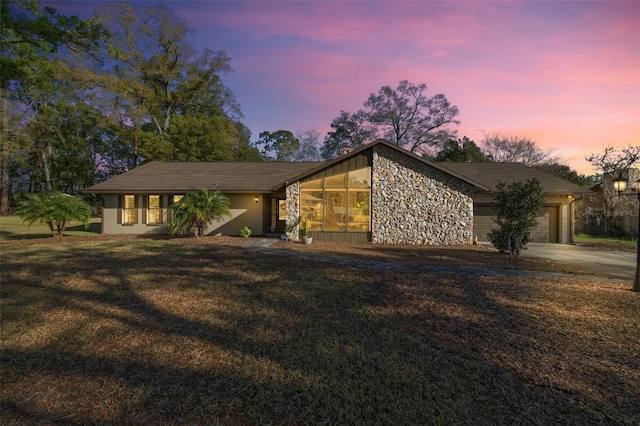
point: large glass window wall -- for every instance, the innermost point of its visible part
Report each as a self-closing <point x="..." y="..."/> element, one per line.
<point x="338" y="203"/>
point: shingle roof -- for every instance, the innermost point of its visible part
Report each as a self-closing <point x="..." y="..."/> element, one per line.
<point x="161" y="177"/>
<point x="490" y="174"/>
<point x="171" y="178"/>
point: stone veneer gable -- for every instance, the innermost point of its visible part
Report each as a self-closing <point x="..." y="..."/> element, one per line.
<point x="415" y="203"/>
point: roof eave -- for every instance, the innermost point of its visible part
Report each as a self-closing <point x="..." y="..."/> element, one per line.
<point x="371" y="145"/>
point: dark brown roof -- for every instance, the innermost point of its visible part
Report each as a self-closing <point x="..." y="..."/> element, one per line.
<point x="490" y="174"/>
<point x="175" y="178"/>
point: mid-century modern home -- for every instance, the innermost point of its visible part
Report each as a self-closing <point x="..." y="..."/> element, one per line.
<point x="379" y="193"/>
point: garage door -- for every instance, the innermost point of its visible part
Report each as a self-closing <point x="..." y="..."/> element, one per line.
<point x="546" y="231"/>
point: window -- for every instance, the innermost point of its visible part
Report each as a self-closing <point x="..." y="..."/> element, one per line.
<point x="129" y="210"/>
<point x="338" y="203"/>
<point x="154" y="214"/>
<point x="282" y="209"/>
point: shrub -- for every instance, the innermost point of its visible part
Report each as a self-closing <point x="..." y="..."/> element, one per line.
<point x="245" y="232"/>
<point x="55" y="209"/>
<point x="500" y="240"/>
<point x="515" y="207"/>
<point x="196" y="209"/>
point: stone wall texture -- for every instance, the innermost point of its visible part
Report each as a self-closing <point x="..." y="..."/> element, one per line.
<point x="293" y="208"/>
<point x="415" y="203"/>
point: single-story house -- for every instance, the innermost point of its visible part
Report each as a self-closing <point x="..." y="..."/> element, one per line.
<point x="378" y="192"/>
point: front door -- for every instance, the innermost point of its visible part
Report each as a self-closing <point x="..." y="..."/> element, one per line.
<point x="281" y="214"/>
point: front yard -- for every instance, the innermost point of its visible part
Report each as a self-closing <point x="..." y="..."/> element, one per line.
<point x="134" y="330"/>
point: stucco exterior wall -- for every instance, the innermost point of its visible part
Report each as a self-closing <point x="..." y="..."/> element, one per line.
<point x="244" y="211"/>
<point x="414" y="203"/>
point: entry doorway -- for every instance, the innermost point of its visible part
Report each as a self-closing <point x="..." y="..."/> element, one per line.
<point x="281" y="214"/>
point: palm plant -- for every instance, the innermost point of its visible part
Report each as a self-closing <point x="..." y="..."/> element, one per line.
<point x="196" y="209"/>
<point x="55" y="209"/>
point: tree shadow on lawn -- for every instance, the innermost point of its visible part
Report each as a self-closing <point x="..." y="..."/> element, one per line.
<point x="181" y="332"/>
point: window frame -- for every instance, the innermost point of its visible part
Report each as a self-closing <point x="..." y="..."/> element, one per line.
<point x="149" y="209"/>
<point x="351" y="186"/>
<point x="125" y="210"/>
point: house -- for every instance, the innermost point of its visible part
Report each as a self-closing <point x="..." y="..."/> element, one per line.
<point x="605" y="212"/>
<point x="556" y="222"/>
<point x="379" y="193"/>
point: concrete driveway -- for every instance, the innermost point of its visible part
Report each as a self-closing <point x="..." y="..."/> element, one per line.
<point x="612" y="264"/>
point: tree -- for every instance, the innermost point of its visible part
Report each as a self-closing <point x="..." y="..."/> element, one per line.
<point x="280" y="145"/>
<point x="514" y="149"/>
<point x="460" y="151"/>
<point x="197" y="209"/>
<point x="350" y="131"/>
<point x="29" y="36"/>
<point x="516" y="207"/>
<point x="611" y="163"/>
<point x="615" y="159"/>
<point x="408" y="118"/>
<point x="309" y="145"/>
<point x="200" y="137"/>
<point x="55" y="209"/>
<point x="153" y="75"/>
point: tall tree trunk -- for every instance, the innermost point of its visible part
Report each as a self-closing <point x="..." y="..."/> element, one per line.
<point x="4" y="201"/>
<point x="46" y="155"/>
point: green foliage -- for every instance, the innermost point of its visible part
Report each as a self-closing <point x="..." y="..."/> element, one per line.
<point x="245" y="232"/>
<point x="61" y="146"/>
<point x="461" y="151"/>
<point x="202" y="137"/>
<point x="30" y="35"/>
<point x="280" y="145"/>
<point x="505" y="242"/>
<point x="515" y="207"/>
<point x="54" y="209"/>
<point x="154" y="75"/>
<point x="196" y="209"/>
<point x="29" y="39"/>
<point x="350" y="131"/>
<point x="301" y="224"/>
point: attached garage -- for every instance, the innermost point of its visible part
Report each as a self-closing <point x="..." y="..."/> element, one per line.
<point x="546" y="231"/>
<point x="555" y="223"/>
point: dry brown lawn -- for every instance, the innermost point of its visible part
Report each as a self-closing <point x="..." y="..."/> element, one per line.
<point x="180" y="331"/>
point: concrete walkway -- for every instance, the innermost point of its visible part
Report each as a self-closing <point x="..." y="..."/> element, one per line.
<point x="613" y="264"/>
<point x="615" y="267"/>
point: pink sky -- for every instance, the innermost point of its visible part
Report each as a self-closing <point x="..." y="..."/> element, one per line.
<point x="563" y="73"/>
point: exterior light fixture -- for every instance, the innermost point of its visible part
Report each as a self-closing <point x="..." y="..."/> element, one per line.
<point x="256" y="199"/>
<point x="620" y="184"/>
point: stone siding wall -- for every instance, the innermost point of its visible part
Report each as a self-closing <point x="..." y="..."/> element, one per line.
<point x="414" y="203"/>
<point x="293" y="208"/>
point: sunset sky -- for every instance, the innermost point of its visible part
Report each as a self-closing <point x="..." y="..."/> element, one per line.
<point x="563" y="73"/>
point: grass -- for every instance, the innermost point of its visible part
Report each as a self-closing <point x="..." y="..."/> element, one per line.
<point x="151" y="331"/>
<point x="607" y="242"/>
<point x="12" y="228"/>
